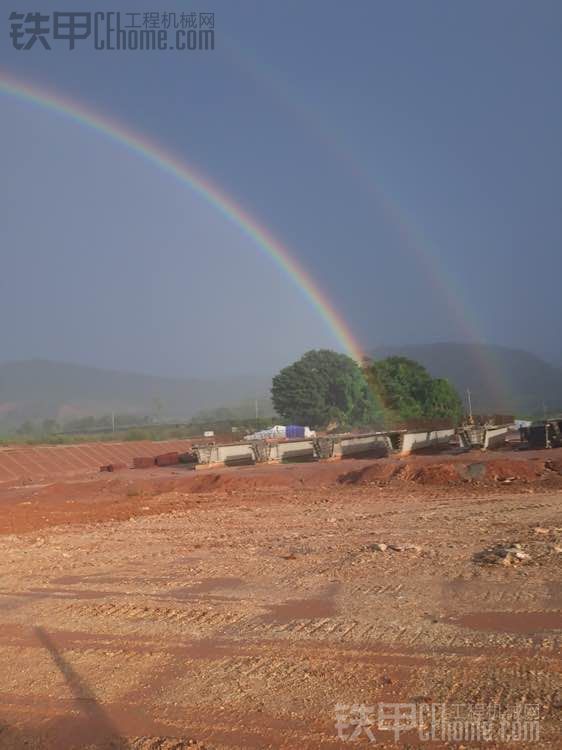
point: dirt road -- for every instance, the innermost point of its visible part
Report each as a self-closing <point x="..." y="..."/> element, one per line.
<point x="241" y="616"/>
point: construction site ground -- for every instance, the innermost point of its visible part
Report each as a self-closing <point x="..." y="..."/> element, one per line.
<point x="237" y="608"/>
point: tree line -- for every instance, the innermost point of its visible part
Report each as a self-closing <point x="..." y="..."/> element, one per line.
<point x="325" y="389"/>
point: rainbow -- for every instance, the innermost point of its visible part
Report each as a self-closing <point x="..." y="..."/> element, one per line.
<point x="439" y="279"/>
<point x="187" y="175"/>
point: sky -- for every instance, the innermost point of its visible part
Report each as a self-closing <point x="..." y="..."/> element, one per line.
<point x="408" y="155"/>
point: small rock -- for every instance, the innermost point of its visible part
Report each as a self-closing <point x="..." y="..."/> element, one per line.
<point x="413" y="547"/>
<point x="378" y="547"/>
<point x="541" y="530"/>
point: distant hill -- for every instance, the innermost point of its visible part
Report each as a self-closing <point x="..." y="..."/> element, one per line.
<point x="501" y="380"/>
<point x="41" y="389"/>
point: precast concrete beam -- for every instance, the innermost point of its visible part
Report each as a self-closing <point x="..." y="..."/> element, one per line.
<point x="413" y="441"/>
<point x="293" y="450"/>
<point x="377" y="444"/>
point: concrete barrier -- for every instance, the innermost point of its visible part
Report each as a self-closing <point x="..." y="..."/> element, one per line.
<point x="202" y="454"/>
<point x="495" y="436"/>
<point x="292" y="450"/>
<point x="413" y="441"/>
<point x="234" y="454"/>
<point x="483" y="437"/>
<point x="330" y="447"/>
<point x="376" y="444"/>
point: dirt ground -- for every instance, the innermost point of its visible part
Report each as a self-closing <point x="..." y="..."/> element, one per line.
<point x="259" y="607"/>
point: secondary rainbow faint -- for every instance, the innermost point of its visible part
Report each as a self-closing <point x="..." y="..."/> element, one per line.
<point x="185" y="173"/>
<point x="439" y="280"/>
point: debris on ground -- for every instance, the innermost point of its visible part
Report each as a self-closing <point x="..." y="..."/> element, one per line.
<point x="511" y="554"/>
<point x="117" y="466"/>
<point x="382" y="547"/>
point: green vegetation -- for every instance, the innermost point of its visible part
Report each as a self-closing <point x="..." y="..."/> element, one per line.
<point x="244" y="411"/>
<point x="409" y="392"/>
<point x="324" y="388"/>
<point x="34" y="434"/>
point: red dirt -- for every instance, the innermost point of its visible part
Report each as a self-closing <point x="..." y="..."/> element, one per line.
<point x="382" y="471"/>
<point x="500" y="469"/>
<point x="92" y="496"/>
<point x="554" y="465"/>
<point x="526" y="623"/>
<point x="239" y="607"/>
<point x="113" y="467"/>
<point x="35" y="463"/>
<point x="456" y="469"/>
<point x="143" y="462"/>
<point x="438" y="474"/>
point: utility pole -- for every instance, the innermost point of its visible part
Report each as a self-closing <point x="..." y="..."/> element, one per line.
<point x="469" y="403"/>
<point x="257" y="411"/>
<point x="112" y="421"/>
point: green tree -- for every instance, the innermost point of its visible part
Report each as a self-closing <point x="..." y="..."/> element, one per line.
<point x="402" y="385"/>
<point x="409" y="392"/>
<point x="323" y="387"/>
<point x="442" y="401"/>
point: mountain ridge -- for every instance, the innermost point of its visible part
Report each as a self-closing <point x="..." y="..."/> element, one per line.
<point x="39" y="389"/>
<point x="501" y="380"/>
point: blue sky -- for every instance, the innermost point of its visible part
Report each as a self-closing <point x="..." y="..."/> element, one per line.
<point x="408" y="153"/>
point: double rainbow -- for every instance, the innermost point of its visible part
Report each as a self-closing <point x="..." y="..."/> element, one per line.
<point x="187" y="175"/>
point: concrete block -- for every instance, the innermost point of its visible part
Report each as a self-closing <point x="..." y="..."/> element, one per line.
<point x="293" y="450"/>
<point x="412" y="441"/>
<point x="234" y="454"/>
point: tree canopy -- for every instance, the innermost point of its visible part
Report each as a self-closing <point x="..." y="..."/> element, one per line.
<point x="409" y="391"/>
<point x="324" y="387"/>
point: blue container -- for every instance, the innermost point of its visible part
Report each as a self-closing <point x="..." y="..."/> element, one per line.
<point x="294" y="431"/>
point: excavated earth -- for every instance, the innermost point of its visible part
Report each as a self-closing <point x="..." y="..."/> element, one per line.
<point x="236" y="608"/>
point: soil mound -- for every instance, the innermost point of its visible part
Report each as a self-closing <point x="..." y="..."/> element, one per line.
<point x="378" y="472"/>
<point x="223" y="481"/>
<point x="437" y="474"/>
<point x="451" y="472"/>
<point x="504" y="469"/>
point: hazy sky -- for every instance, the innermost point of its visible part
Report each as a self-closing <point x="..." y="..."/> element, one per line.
<point x="409" y="154"/>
